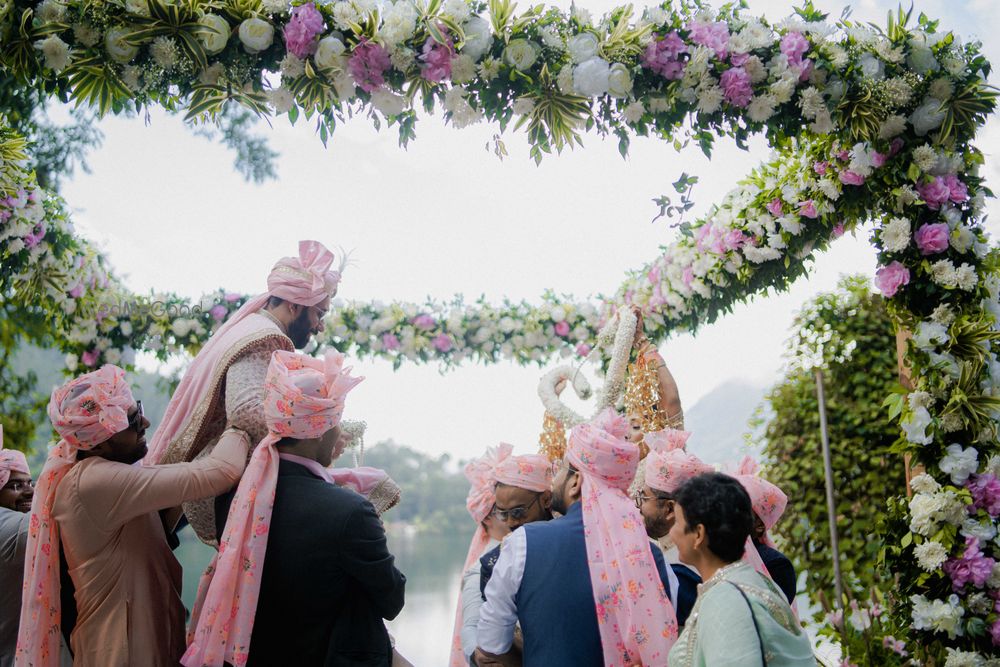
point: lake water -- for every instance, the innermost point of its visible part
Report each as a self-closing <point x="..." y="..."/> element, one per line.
<point x="432" y="565"/>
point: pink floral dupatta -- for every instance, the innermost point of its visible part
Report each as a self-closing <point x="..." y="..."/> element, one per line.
<point x="636" y="620"/>
<point x="85" y="412"/>
<point x="481" y="474"/>
<point x="303" y="398"/>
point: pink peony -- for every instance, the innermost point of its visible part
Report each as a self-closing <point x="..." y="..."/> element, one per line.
<point x="844" y="155"/>
<point x="663" y="56"/>
<point x="232" y="296"/>
<point x="807" y="209"/>
<point x="437" y="60"/>
<point x="972" y="567"/>
<point x="774" y="207"/>
<point x="935" y="193"/>
<point x="889" y="279"/>
<point x="390" y="342"/>
<point x="368" y="65"/>
<point x="90" y="357"/>
<point x="301" y="30"/>
<point x="562" y="328"/>
<point x="848" y="177"/>
<point x="713" y="35"/>
<point x="985" y="491"/>
<point x="442" y="342"/>
<point x="932" y="238"/>
<point x="794" y="45"/>
<point x="736" y="86"/>
<point x="218" y="312"/>
<point x="583" y="349"/>
<point x="424" y="322"/>
<point x="958" y="192"/>
<point x="820" y="167"/>
<point x="879" y="159"/>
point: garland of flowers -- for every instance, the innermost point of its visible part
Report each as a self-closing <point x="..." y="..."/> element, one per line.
<point x="867" y="125"/>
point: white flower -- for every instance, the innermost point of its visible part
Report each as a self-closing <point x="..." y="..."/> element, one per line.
<point x="112" y="356"/>
<point x="86" y="34"/>
<point x="590" y="78"/>
<point x="924" y="483"/>
<point x="551" y="37"/>
<point x="138" y="7"/>
<point x="983" y="531"/>
<point x="51" y="11"/>
<point x="937" y="615"/>
<point x="755" y="68"/>
<point x="520" y="54"/>
<point x="954" y="66"/>
<point x="634" y="111"/>
<point x="994" y="580"/>
<point x="962" y="239"/>
<point x="892" y="126"/>
<point x="761" y="108"/>
<point x="459" y="10"/>
<point x="915" y="426"/>
<point x="928" y="116"/>
<point x="959" y="462"/>
<point x="216" y="40"/>
<point x="181" y="327"/>
<point x="55" y="51"/>
<point x="330" y="53"/>
<point x="957" y="658"/>
<point x="896" y="235"/>
<point x="943" y="314"/>
<point x="399" y="21"/>
<point x="619" y="80"/>
<point x="256" y="34"/>
<point x="582" y="47"/>
<point x="462" y="113"/>
<point x="921" y="59"/>
<point x="929" y="335"/>
<point x="71" y="361"/>
<point x="281" y="99"/>
<point x="478" y="37"/>
<point x="941" y="88"/>
<point x="401" y="58"/>
<point x="757" y="35"/>
<point x="930" y="555"/>
<point x="275" y="6"/>
<point x="489" y="69"/>
<point x="966" y="278"/>
<point x="811" y="102"/>
<point x="925" y="157"/>
<point x="871" y="66"/>
<point x="346" y="13"/>
<point x="709" y="99"/>
<point x="388" y="102"/>
<point x="164" y="51"/>
<point x="523" y="106"/>
<point x="209" y="76"/>
<point x="943" y="273"/>
<point x="565" y="79"/>
<point x="116" y="46"/>
<point x="463" y="69"/>
<point x="581" y="14"/>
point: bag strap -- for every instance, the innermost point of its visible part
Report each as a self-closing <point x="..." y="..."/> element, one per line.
<point x="760" y="640"/>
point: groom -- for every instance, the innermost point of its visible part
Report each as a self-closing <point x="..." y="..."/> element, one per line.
<point x="225" y="383"/>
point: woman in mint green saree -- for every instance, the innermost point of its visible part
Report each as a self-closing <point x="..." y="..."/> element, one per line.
<point x="740" y="617"/>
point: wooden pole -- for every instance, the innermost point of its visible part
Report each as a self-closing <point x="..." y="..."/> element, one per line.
<point x="831" y="508"/>
<point x="905" y="379"/>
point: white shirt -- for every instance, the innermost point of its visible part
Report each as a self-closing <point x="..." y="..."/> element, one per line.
<point x="472" y="600"/>
<point x="498" y="615"/>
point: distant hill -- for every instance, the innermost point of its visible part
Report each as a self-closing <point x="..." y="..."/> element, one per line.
<point x="719" y="422"/>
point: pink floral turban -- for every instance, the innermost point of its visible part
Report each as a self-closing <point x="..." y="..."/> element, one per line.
<point x="481" y="474"/>
<point x="11" y="460"/>
<point x="306" y="279"/>
<point x="634" y="615"/>
<point x="767" y="499"/>
<point x="668" y="465"/>
<point x="526" y="471"/>
<point x="85" y="412"/>
<point x="303" y="398"/>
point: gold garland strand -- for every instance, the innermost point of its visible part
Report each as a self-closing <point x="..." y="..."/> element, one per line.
<point x="552" y="441"/>
<point x="642" y="396"/>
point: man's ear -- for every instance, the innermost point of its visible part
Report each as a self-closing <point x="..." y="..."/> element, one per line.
<point x="575" y="489"/>
<point x="547" y="499"/>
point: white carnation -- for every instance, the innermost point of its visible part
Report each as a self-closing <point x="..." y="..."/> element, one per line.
<point x="928" y="116"/>
<point x="709" y="99"/>
<point x="551" y="37"/>
<point x="924" y="483"/>
<point x="388" y="102"/>
<point x="892" y="126"/>
<point x="634" y="111"/>
<point x="921" y="59"/>
<point x="761" y="108"/>
<point x="943" y="273"/>
<point x="896" y="235"/>
<point x="871" y="66"/>
<point x="399" y="21"/>
<point x="281" y="100"/>
<point x="966" y="278"/>
<point x="925" y="157"/>
<point x="930" y="555"/>
<point x="459" y="10"/>
<point x="55" y="52"/>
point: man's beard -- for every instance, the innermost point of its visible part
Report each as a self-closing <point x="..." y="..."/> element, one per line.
<point x="559" y="500"/>
<point x="299" y="330"/>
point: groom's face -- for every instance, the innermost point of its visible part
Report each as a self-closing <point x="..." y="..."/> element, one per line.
<point x="308" y="323"/>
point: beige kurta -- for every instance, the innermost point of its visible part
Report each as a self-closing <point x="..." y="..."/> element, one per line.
<point x="128" y="583"/>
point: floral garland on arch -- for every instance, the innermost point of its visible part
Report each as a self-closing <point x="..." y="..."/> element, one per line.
<point x="867" y="124"/>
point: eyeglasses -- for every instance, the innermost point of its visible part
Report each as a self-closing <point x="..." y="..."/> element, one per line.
<point x="135" y="421"/>
<point x="641" y="498"/>
<point x="516" y="513"/>
<point x="19" y="485"/>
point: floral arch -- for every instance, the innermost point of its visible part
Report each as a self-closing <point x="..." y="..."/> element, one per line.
<point x="865" y="123"/>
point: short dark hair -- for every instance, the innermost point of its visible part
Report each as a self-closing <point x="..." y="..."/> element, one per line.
<point x="274" y="301"/>
<point x="722" y="505"/>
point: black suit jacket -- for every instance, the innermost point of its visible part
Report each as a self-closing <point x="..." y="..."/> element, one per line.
<point x="780" y="568"/>
<point x="328" y="581"/>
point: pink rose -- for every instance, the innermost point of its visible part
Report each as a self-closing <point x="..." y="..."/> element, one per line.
<point x="935" y="193"/>
<point x="424" y="322"/>
<point x="958" y="192"/>
<point x="890" y="278"/>
<point x="820" y="167"/>
<point x="218" y="312"/>
<point x="844" y="155"/>
<point x="807" y="209"/>
<point x="848" y="177"/>
<point x="774" y="207"/>
<point x="442" y="342"/>
<point x="932" y="238"/>
<point x="562" y="328"/>
<point x="90" y="358"/>
<point x="736" y="86"/>
<point x="583" y="349"/>
<point x="390" y="342"/>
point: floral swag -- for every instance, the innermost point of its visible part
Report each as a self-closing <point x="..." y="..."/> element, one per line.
<point x="865" y="125"/>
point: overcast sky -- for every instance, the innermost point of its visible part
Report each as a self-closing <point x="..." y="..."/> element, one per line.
<point x="445" y="217"/>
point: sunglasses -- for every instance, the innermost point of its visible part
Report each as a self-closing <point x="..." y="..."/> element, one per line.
<point x="135" y="421"/>
<point x="515" y="513"/>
